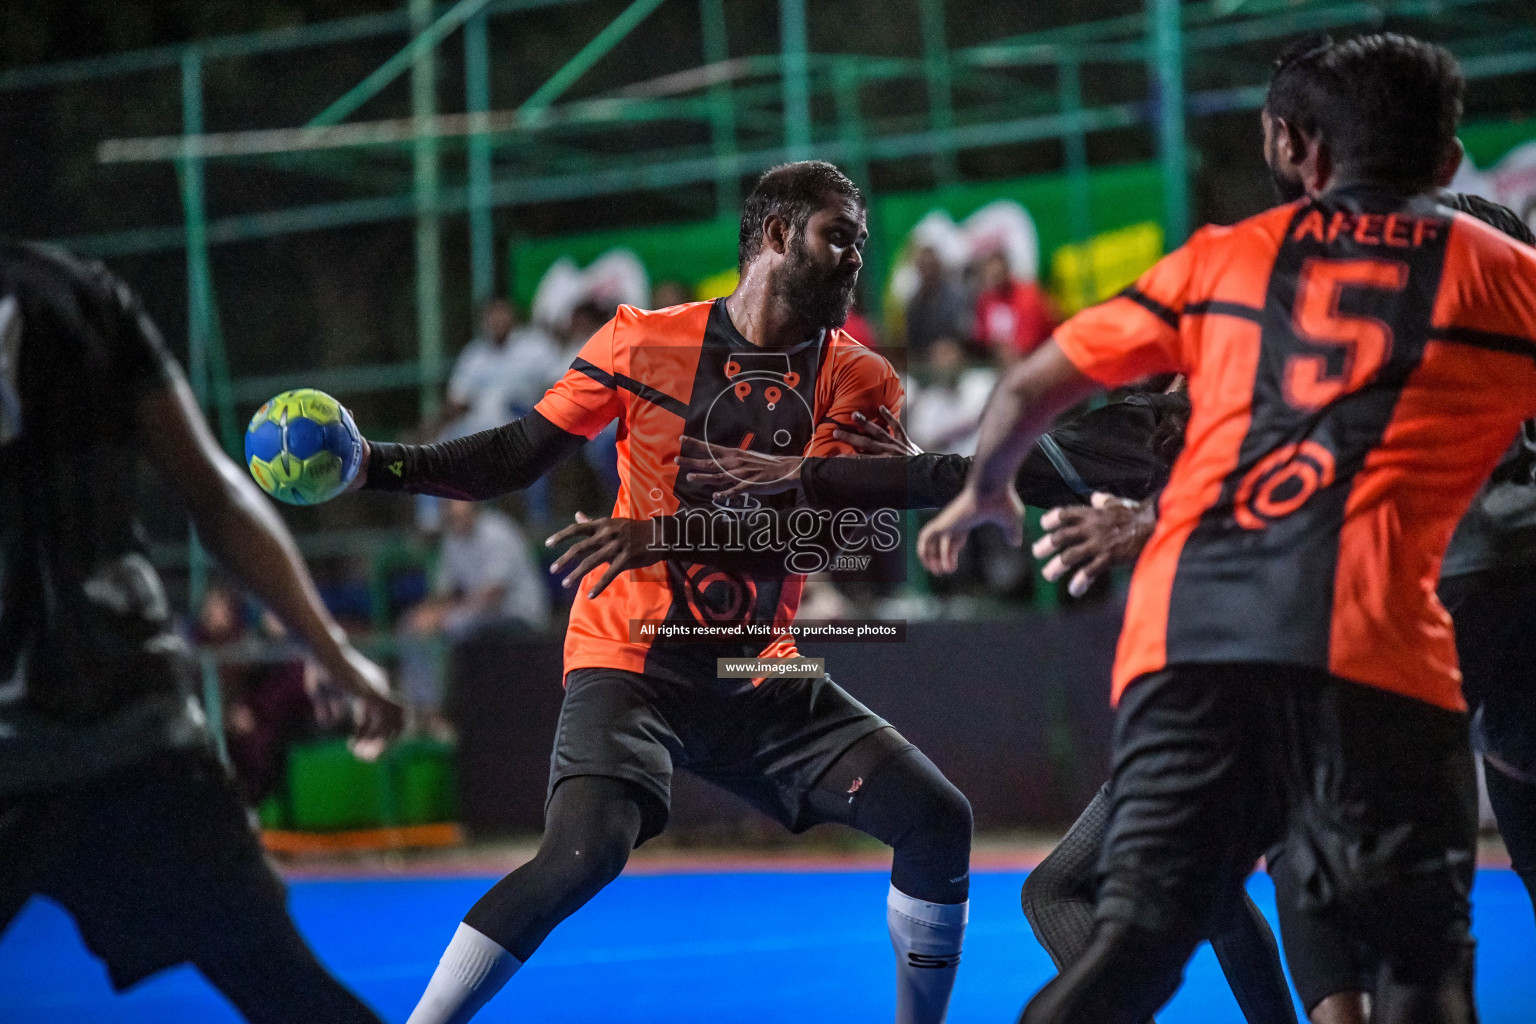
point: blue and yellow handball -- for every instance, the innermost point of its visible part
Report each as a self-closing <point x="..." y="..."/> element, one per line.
<point x="302" y="447"/>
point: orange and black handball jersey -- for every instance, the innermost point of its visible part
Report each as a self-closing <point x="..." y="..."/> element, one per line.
<point x="1357" y="365"/>
<point x="681" y="371"/>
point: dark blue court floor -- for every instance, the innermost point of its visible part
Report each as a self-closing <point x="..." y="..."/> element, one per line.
<point x="718" y="948"/>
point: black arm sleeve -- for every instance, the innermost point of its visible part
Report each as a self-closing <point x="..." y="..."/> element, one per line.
<point x="1126" y="448"/>
<point x="474" y="468"/>
<point x="883" y="481"/>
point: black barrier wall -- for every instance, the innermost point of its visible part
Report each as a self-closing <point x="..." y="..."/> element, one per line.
<point x="1015" y="711"/>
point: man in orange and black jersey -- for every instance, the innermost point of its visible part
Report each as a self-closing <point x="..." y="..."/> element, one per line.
<point x="767" y="369"/>
<point x="1358" y="362"/>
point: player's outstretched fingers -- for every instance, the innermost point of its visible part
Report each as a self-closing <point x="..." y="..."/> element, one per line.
<point x="949" y="550"/>
<point x="616" y="565"/>
<point x="733" y="489"/>
<point x="1084" y="578"/>
<point x="1065" y="542"/>
<point x="863" y="444"/>
<point x="939" y="549"/>
<point x="582" y="527"/>
<point x="705" y="471"/>
<point x="367" y="748"/>
<point x="928" y="548"/>
<point x="594" y="559"/>
<point x="593" y="552"/>
<point x="868" y="437"/>
<point x="898" y="432"/>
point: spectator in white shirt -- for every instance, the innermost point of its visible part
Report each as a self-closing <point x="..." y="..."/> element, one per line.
<point x="486" y="578"/>
<point x="498" y="377"/>
<point x="501" y="374"/>
<point x="944" y="411"/>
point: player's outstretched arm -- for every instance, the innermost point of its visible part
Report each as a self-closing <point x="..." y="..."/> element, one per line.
<point x="1114" y="448"/>
<point x="892" y="480"/>
<point x="474" y="468"/>
<point x="242" y="529"/>
<point x="1025" y="401"/>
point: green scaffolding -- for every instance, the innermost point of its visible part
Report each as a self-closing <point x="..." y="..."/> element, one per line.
<point x="756" y="109"/>
<point x="733" y="97"/>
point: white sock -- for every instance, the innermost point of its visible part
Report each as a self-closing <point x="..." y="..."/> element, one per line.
<point x="473" y="968"/>
<point x="927" y="939"/>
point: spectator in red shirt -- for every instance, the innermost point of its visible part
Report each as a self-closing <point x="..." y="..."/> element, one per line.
<point x="859" y="327"/>
<point x="1012" y="317"/>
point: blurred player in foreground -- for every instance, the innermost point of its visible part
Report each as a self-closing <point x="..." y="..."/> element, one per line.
<point x="113" y="802"/>
<point x="1358" y="362"/>
<point x="764" y="368"/>
<point x="1484" y="579"/>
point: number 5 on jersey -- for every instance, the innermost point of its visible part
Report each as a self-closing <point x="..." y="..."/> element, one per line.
<point x="1357" y="344"/>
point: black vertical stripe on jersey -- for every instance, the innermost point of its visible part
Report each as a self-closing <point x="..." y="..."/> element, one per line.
<point x="1267" y="595"/>
<point x="715" y="414"/>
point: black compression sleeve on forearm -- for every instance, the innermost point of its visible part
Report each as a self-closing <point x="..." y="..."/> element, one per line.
<point x="919" y="481"/>
<point x="883" y="481"/>
<point x="1125" y="448"/>
<point x="474" y="468"/>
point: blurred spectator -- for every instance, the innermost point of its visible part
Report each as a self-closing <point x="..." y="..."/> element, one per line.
<point x="938" y="309"/>
<point x="500" y="375"/>
<point x="485" y="578"/>
<point x="587" y="318"/>
<point x="602" y="452"/>
<point x="267" y="705"/>
<point x="859" y="326"/>
<point x="670" y="293"/>
<point x="1013" y="317"/>
<point x="944" y="409"/>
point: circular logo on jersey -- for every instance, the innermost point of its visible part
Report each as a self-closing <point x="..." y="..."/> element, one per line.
<point x="1282" y="482"/>
<point x="717" y="596"/>
<point x="763" y="407"/>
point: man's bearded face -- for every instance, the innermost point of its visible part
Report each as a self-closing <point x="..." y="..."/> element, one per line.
<point x="821" y="290"/>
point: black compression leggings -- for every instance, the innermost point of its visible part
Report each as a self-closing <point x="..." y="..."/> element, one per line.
<point x="1059" y="898"/>
<point x="590" y="827"/>
<point x="887" y="788"/>
<point x="593" y="821"/>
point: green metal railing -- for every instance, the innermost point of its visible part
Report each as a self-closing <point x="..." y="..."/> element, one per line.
<point x="753" y="109"/>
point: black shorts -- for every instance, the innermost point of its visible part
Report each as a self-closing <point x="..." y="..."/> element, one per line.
<point x="158" y="865"/>
<point x="1372" y="795"/>
<point x="1495" y="616"/>
<point x="767" y="744"/>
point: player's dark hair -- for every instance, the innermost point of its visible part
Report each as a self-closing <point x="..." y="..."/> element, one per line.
<point x="1290" y="85"/>
<point x="1387" y="105"/>
<point x="793" y="192"/>
<point x="1492" y="214"/>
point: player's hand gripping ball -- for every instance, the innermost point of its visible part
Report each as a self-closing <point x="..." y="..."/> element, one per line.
<point x="302" y="447"/>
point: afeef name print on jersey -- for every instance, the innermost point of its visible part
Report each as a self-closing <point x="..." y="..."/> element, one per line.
<point x="1357" y="364"/>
